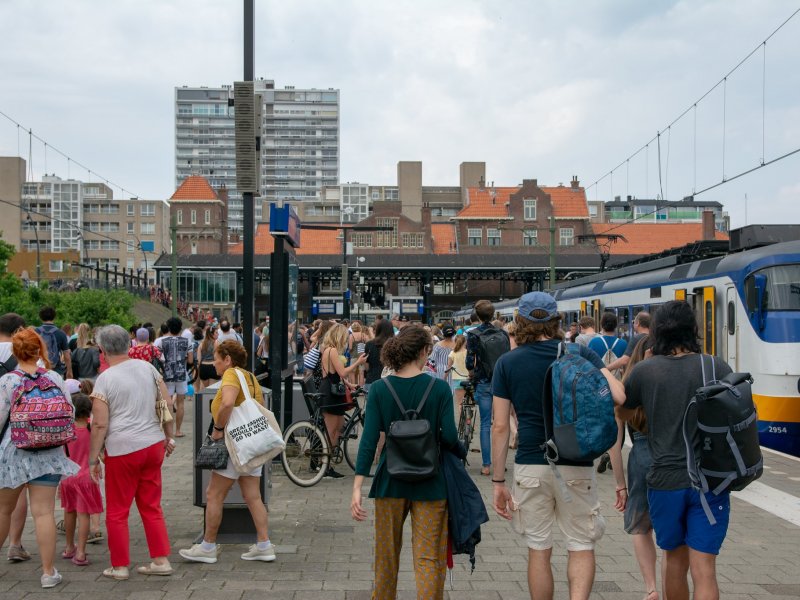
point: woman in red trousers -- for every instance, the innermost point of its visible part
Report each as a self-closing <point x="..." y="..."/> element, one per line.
<point x="124" y="421"/>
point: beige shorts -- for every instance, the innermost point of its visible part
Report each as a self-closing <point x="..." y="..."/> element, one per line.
<point x="539" y="500"/>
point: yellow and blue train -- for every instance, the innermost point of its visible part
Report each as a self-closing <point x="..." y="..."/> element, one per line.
<point x="748" y="309"/>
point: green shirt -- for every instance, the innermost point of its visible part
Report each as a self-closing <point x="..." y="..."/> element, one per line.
<point x="382" y="410"/>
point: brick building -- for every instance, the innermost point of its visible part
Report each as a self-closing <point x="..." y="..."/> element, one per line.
<point x="200" y="214"/>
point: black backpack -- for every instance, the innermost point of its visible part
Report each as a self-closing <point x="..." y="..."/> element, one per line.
<point x="8" y="366"/>
<point x="412" y="448"/>
<point x="726" y="454"/>
<point x="492" y="344"/>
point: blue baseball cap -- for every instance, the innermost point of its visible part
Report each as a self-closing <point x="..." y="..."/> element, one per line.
<point x="538" y="301"/>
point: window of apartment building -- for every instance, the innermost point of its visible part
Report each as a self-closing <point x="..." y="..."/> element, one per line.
<point x="376" y="195"/>
<point x="566" y="236"/>
<point x="109" y="245"/>
<point x="207" y="217"/>
<point x="530" y="237"/>
<point x="56" y="266"/>
<point x="179" y="218"/>
<point x="147" y="229"/>
<point x="131" y="211"/>
<point x="130" y="245"/>
<point x="194" y="246"/>
<point x="387" y="239"/>
<point x="148" y="210"/>
<point x="493" y="237"/>
<point x="592" y="210"/>
<point x="130" y="264"/>
<point x="362" y="240"/>
<point x="194" y="217"/>
<point x="391" y="194"/>
<point x="529" y="208"/>
<point x="474" y="236"/>
<point x="131" y="228"/>
<point x="412" y="240"/>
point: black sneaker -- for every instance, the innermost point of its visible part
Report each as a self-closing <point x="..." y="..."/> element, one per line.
<point x="333" y="474"/>
<point x="605" y="463"/>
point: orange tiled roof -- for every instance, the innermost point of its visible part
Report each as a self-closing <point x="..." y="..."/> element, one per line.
<point x="195" y="188"/>
<point x="312" y="241"/>
<point x="481" y="205"/>
<point x="568" y="202"/>
<point x="649" y="238"/>
<point x="444" y="238"/>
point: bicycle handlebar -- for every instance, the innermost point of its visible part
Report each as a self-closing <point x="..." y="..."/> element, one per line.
<point x="457" y="372"/>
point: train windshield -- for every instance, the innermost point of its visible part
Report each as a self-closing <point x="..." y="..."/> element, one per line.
<point x="783" y="288"/>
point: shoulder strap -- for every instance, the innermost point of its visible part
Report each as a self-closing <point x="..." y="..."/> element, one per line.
<point x="400" y="404"/>
<point x="243" y="383"/>
<point x="605" y="343"/>
<point x="614" y="345"/>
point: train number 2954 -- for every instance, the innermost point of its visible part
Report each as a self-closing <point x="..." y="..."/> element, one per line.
<point x="776" y="429"/>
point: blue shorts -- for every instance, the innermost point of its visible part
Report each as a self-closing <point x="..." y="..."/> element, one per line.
<point x="49" y="480"/>
<point x="679" y="519"/>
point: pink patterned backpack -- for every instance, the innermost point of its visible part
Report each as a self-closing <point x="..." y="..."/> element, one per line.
<point x="41" y="415"/>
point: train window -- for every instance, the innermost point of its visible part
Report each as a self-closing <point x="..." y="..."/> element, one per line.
<point x="636" y="310"/>
<point x="655" y="292"/>
<point x="731" y="318"/>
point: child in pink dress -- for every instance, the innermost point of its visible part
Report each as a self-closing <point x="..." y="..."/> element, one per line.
<point x="80" y="496"/>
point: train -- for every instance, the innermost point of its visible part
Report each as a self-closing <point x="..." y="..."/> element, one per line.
<point x="748" y="310"/>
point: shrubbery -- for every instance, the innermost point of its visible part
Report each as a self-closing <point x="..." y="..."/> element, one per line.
<point x="95" y="307"/>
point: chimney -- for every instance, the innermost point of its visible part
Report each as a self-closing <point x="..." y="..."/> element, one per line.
<point x="575" y="184"/>
<point x="708" y="225"/>
<point x="481" y="184"/>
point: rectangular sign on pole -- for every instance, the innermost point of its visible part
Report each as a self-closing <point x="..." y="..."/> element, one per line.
<point x="147" y="246"/>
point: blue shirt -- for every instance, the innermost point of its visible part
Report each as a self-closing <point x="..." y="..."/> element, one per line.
<point x="519" y="377"/>
<point x="618" y="345"/>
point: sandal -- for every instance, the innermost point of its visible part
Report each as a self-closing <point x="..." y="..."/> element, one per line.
<point x="81" y="562"/>
<point x="486" y="471"/>
<point x="95" y="537"/>
<point x="68" y="554"/>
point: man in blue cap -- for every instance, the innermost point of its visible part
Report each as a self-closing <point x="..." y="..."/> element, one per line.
<point x="535" y="502"/>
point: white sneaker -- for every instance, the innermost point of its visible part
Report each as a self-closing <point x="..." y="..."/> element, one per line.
<point x="254" y="553"/>
<point x="197" y="554"/>
<point x="50" y="581"/>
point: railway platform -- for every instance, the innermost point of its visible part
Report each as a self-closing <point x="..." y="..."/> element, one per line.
<point x="324" y="555"/>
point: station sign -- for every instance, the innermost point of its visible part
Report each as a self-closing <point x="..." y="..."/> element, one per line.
<point x="284" y="222"/>
<point x="147" y="246"/>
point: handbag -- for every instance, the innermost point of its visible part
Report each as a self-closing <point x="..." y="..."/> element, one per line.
<point x="163" y="413"/>
<point x="213" y="454"/>
<point x="252" y="435"/>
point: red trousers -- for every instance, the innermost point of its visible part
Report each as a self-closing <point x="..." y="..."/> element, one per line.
<point x="129" y="477"/>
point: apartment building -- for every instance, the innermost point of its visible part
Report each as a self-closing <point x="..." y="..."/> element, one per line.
<point x="299" y="149"/>
<point x="642" y="210"/>
<point x="59" y="215"/>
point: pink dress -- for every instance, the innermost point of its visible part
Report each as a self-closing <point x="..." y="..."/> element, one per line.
<point x="79" y="493"/>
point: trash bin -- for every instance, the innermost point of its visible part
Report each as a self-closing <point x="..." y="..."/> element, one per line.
<point x="237" y="524"/>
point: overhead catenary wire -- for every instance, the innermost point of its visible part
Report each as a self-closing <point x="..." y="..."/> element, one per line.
<point x="693" y="106"/>
<point x="68" y="157"/>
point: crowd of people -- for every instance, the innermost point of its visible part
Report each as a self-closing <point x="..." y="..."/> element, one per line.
<point x="113" y="378"/>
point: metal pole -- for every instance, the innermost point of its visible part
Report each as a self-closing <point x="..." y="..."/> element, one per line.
<point x="345" y="278"/>
<point x="248" y="221"/>
<point x="173" y="284"/>
<point x="552" y="252"/>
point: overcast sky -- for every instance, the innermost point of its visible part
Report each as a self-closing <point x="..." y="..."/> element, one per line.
<point x="536" y="89"/>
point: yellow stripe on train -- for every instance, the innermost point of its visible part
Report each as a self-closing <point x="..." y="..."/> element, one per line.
<point x="778" y="408"/>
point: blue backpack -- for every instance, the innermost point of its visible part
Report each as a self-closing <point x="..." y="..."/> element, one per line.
<point x="578" y="409"/>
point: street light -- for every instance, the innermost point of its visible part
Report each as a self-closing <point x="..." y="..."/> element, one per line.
<point x="38" y="255"/>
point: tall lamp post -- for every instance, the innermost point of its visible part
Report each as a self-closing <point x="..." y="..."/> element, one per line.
<point x="38" y="255"/>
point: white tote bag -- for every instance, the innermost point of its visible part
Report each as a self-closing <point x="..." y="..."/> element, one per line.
<point x="252" y="434"/>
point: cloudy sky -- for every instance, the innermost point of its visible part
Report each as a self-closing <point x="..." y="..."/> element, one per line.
<point x="543" y="89"/>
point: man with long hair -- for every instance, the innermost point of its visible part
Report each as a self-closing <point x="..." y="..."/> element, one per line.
<point x="663" y="386"/>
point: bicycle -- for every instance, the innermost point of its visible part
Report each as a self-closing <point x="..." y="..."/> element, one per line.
<point x="466" y="417"/>
<point x="309" y="451"/>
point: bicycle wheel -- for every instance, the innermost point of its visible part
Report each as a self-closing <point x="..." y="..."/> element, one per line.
<point x="306" y="456"/>
<point x="466" y="426"/>
<point x="351" y="440"/>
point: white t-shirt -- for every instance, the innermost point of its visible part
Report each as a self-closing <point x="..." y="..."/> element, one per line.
<point x="129" y="389"/>
<point x="5" y="351"/>
<point x="230" y="335"/>
<point x="188" y="335"/>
